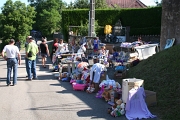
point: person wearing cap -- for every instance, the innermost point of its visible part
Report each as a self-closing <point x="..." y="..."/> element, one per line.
<point x="12" y="52"/>
<point x="43" y="48"/>
<point x="31" y="52"/>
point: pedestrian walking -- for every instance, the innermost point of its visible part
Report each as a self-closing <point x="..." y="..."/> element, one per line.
<point x="44" y="52"/>
<point x="12" y="53"/>
<point x="31" y="52"/>
<point x="18" y="44"/>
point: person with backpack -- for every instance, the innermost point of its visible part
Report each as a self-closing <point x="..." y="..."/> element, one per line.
<point x="44" y="50"/>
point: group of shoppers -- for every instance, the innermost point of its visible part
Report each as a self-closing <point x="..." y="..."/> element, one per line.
<point x="11" y="53"/>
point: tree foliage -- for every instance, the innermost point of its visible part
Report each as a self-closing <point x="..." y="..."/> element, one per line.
<point x="16" y="20"/>
<point x="48" y="18"/>
<point x="100" y="4"/>
<point x="81" y="4"/>
<point x="85" y="4"/>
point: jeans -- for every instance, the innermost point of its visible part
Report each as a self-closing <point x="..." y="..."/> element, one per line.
<point x="31" y="68"/>
<point x="12" y="63"/>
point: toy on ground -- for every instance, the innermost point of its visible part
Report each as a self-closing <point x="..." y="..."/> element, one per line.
<point x="77" y="86"/>
<point x="100" y="92"/>
<point x="90" y="89"/>
<point x="119" y="110"/>
<point x="72" y="81"/>
<point x="66" y="79"/>
<point x="106" y="95"/>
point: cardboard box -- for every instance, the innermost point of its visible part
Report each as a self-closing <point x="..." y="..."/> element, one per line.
<point x="128" y="84"/>
<point x="120" y="74"/>
<point x="150" y="98"/>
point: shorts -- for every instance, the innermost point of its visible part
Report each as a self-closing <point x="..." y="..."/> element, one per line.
<point x="43" y="55"/>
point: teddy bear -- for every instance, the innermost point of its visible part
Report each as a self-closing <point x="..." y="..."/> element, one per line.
<point x="119" y="110"/>
<point x="106" y="95"/>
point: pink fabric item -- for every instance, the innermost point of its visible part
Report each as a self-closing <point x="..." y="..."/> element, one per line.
<point x="82" y="65"/>
<point x="72" y="81"/>
<point x="136" y="106"/>
<point x="77" y="86"/>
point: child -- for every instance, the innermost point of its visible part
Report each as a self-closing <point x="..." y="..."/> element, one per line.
<point x="96" y="44"/>
<point x="115" y="55"/>
<point x="102" y="52"/>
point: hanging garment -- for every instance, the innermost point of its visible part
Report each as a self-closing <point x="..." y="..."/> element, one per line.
<point x="97" y="69"/>
<point x="136" y="107"/>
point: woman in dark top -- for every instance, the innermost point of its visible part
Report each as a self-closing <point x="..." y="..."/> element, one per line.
<point x="43" y="48"/>
<point x="54" y="46"/>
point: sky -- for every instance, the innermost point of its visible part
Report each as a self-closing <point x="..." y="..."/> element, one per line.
<point x="146" y="2"/>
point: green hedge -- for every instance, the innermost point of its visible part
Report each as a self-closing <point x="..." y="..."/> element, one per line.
<point x="141" y="21"/>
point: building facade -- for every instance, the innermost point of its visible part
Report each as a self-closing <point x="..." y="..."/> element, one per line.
<point x="126" y="3"/>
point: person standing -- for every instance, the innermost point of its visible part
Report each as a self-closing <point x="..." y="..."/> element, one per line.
<point x="18" y="44"/>
<point x="54" y="47"/>
<point x="43" y="48"/>
<point x="12" y="52"/>
<point x="61" y="46"/>
<point x="26" y="43"/>
<point x="31" y="52"/>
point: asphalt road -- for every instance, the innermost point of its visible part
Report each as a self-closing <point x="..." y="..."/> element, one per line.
<point x="47" y="98"/>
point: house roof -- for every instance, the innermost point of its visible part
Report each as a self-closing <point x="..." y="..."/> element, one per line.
<point x="126" y="3"/>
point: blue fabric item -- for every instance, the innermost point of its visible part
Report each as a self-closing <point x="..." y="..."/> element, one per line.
<point x="79" y="81"/>
<point x="121" y="68"/>
<point x="115" y="54"/>
<point x="65" y="79"/>
<point x="56" y="67"/>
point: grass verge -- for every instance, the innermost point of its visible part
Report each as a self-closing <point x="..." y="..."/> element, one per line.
<point x="161" y="73"/>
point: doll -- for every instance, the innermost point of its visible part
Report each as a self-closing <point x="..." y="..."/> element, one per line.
<point x="90" y="89"/>
<point x="119" y="110"/>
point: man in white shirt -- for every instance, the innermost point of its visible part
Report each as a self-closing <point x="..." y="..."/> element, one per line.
<point x="12" y="53"/>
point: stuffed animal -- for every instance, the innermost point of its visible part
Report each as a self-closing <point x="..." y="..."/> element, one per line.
<point x="119" y="110"/>
<point x="106" y="95"/>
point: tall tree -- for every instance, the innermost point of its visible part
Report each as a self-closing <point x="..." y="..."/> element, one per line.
<point x="70" y="5"/>
<point x="16" y="20"/>
<point x="100" y="4"/>
<point x="170" y="25"/>
<point x="48" y="16"/>
<point x="81" y="4"/>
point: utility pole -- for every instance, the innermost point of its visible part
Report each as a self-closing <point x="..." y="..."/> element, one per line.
<point x="91" y="31"/>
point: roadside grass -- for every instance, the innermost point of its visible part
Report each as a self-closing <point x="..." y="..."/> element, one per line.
<point x="161" y="73"/>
